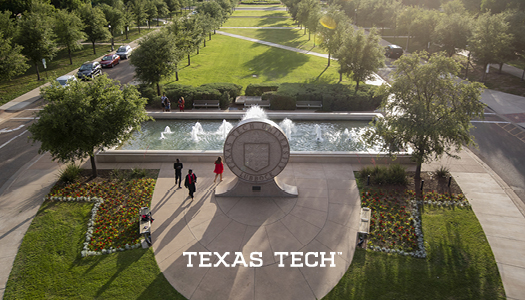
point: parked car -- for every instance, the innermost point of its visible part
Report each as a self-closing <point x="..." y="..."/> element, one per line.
<point x="65" y="80"/>
<point x="124" y="51"/>
<point x="89" y="70"/>
<point x="393" y="51"/>
<point x="110" y="60"/>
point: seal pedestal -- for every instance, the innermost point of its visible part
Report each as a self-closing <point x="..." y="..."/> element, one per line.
<point x="256" y="151"/>
<point x="239" y="188"/>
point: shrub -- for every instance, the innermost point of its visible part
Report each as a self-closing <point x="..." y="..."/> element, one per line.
<point x="149" y="92"/>
<point x="262" y="2"/>
<point x="442" y="172"/>
<point x="280" y="102"/>
<point x="225" y="100"/>
<point x="117" y="174"/>
<point x="175" y="91"/>
<point x="137" y="173"/>
<point x="258" y="89"/>
<point x="394" y="174"/>
<point x="70" y="173"/>
<point x="397" y="175"/>
<point x="233" y="89"/>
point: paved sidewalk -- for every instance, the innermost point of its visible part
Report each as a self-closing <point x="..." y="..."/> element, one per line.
<point x="324" y="218"/>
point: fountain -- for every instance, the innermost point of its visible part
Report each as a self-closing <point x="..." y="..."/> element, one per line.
<point x="224" y="129"/>
<point x="318" y="134"/>
<point x="203" y="140"/>
<point x="288" y="127"/>
<point x="196" y="130"/>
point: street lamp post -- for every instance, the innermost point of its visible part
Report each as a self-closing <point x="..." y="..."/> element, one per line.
<point x="110" y="31"/>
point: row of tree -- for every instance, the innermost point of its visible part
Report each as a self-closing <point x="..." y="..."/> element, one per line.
<point x="492" y="38"/>
<point x="160" y="53"/>
<point x="38" y="32"/>
<point x="359" y="55"/>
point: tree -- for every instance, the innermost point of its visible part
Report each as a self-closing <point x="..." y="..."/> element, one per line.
<point x="115" y="17"/>
<point x="156" y="58"/>
<point x="335" y="25"/>
<point x="87" y="116"/>
<point x="68" y="29"/>
<point x="36" y="36"/>
<point x="424" y="26"/>
<point x="213" y="11"/>
<point x="516" y="21"/>
<point x="151" y="11"/>
<point x="162" y="9"/>
<point x="454" y="28"/>
<point x="429" y="111"/>
<point x="360" y="55"/>
<point x="127" y="18"/>
<point x="139" y="10"/>
<point x="7" y="25"/>
<point x="406" y="22"/>
<point x="453" y="32"/>
<point x="12" y="62"/>
<point x="173" y="6"/>
<point x="95" y="22"/>
<point x="313" y="23"/>
<point x="305" y="9"/>
<point x="490" y="41"/>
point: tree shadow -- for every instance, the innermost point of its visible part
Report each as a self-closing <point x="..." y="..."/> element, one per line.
<point x="274" y="63"/>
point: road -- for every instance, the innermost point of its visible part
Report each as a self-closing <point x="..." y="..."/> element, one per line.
<point x="16" y="150"/>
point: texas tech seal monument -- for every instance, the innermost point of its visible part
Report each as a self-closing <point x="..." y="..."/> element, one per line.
<point x="256" y="151"/>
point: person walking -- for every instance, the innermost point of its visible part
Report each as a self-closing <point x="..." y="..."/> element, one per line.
<point x="190" y="181"/>
<point x="181" y="104"/>
<point x="178" y="172"/>
<point x="219" y="168"/>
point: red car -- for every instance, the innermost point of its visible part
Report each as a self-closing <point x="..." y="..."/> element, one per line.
<point x="110" y="60"/>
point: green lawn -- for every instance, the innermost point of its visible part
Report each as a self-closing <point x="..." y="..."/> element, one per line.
<point x="260" y="13"/>
<point x="459" y="265"/>
<point x="288" y="37"/>
<point x="59" y="66"/>
<point x="259" y="22"/>
<point x="260" y="5"/>
<point x="227" y="59"/>
<point x="48" y="264"/>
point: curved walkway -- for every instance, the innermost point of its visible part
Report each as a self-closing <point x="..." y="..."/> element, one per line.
<point x="324" y="218"/>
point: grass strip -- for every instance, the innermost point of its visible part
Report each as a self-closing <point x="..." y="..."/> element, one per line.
<point x="48" y="264"/>
<point x="228" y="59"/>
<point x="459" y="264"/>
<point x="259" y="22"/>
<point x="288" y="37"/>
<point x="260" y="13"/>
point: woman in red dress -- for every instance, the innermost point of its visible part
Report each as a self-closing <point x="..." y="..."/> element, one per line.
<point x="219" y="168"/>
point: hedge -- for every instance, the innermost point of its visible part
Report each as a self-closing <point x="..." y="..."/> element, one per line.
<point x="258" y="89"/>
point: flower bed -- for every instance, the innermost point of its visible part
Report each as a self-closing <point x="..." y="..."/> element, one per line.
<point x="395" y="225"/>
<point x="113" y="225"/>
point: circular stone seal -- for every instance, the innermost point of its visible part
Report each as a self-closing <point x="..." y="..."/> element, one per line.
<point x="256" y="150"/>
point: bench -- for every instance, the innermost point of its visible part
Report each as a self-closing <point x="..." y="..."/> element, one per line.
<point x="206" y="103"/>
<point x="309" y="104"/>
<point x="364" y="225"/>
<point x="145" y="225"/>
<point x="261" y="103"/>
<point x="240" y="99"/>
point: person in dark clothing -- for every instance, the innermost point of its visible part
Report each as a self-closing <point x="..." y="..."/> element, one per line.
<point x="190" y="181"/>
<point x="178" y="172"/>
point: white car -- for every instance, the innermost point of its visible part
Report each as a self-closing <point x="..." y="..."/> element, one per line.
<point x="124" y="51"/>
<point x="65" y="80"/>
